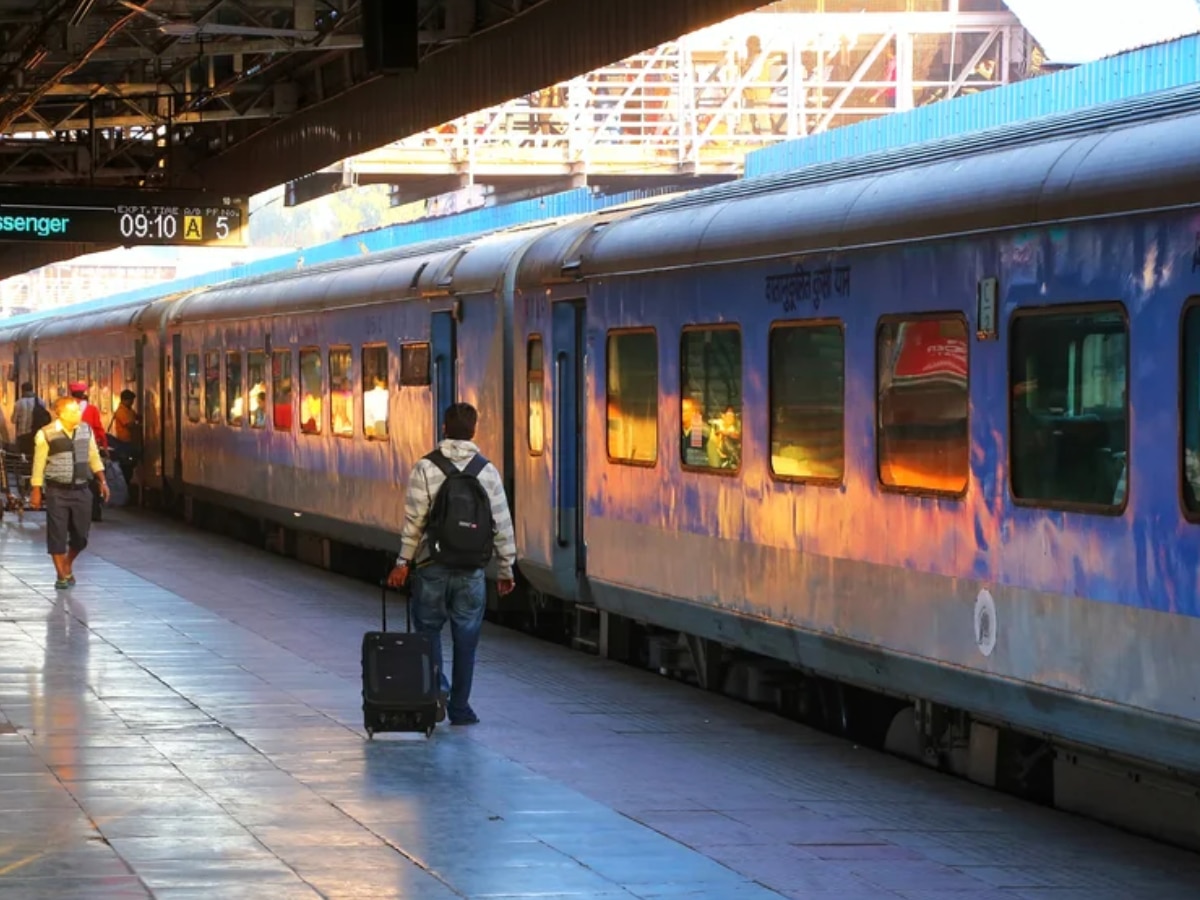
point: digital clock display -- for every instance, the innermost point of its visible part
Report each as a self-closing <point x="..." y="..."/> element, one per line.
<point x="128" y="218"/>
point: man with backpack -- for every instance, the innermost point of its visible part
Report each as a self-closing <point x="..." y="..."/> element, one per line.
<point x="456" y="519"/>
<point x="29" y="417"/>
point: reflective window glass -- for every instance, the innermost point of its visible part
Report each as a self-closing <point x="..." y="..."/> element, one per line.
<point x="535" y="378"/>
<point x="341" y="391"/>
<point x="312" y="391"/>
<point x="235" y="401"/>
<point x="375" y="392"/>
<point x="1069" y="413"/>
<point x="256" y="377"/>
<point x="807" y="396"/>
<point x="102" y="388"/>
<point x="192" y="376"/>
<point x="212" y="387"/>
<point x="923" y="399"/>
<point x="632" y="392"/>
<point x="414" y="365"/>
<point x="711" y="398"/>
<point x="281" y="380"/>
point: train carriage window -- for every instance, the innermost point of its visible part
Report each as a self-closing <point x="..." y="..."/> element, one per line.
<point x="710" y="364"/>
<point x="341" y="391"/>
<point x="281" y="380"/>
<point x="312" y="391"/>
<point x="1069" y="413"/>
<point x="375" y="392"/>
<point x="192" y="374"/>
<point x="104" y="385"/>
<point x="72" y="372"/>
<point x="535" y="380"/>
<point x="88" y="375"/>
<point x="921" y="373"/>
<point x="212" y="387"/>
<point x="60" y="389"/>
<point x="1190" y="426"/>
<point x="807" y="363"/>
<point x="414" y="365"/>
<point x="256" y="378"/>
<point x="112" y="375"/>
<point x="235" y="400"/>
<point x="632" y="395"/>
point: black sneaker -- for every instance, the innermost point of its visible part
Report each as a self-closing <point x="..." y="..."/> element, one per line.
<point x="467" y="718"/>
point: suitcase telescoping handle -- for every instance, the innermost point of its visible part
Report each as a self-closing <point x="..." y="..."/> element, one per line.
<point x="407" y="605"/>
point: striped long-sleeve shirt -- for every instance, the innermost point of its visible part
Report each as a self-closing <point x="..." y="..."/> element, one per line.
<point x="424" y="483"/>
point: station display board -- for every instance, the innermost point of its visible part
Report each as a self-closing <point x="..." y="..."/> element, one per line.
<point x="128" y="217"/>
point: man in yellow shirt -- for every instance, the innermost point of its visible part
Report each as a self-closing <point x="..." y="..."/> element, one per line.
<point x="124" y="418"/>
<point x="65" y="457"/>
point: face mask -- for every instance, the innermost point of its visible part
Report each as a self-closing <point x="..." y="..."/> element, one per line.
<point x="70" y="417"/>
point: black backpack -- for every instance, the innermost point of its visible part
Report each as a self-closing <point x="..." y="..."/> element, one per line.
<point x="41" y="416"/>
<point x="460" y="531"/>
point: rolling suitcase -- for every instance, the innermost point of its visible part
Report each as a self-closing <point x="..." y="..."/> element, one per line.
<point x="400" y="680"/>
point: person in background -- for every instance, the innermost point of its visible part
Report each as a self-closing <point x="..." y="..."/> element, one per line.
<point x="65" y="458"/>
<point x="125" y="419"/>
<point x="29" y="415"/>
<point x="375" y="409"/>
<point x="258" y="415"/>
<point x="90" y="413"/>
<point x="124" y="434"/>
<point x="91" y="417"/>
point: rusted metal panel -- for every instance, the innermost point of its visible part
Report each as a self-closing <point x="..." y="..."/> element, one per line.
<point x="551" y="43"/>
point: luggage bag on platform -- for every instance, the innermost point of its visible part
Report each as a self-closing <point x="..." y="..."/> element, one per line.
<point x="400" y="680"/>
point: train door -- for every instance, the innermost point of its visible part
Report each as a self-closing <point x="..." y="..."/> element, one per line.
<point x="444" y="358"/>
<point x="175" y="366"/>
<point x="568" y="346"/>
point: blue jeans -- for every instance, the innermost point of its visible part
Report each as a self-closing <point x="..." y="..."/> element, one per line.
<point x="438" y="594"/>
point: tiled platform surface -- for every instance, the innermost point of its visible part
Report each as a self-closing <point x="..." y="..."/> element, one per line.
<point x="185" y="723"/>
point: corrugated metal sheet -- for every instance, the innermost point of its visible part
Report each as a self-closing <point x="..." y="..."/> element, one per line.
<point x="1155" y="68"/>
<point x="551" y="43"/>
<point x="477" y="221"/>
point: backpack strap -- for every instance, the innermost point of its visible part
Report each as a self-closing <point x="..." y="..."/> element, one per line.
<point x="477" y="464"/>
<point x="439" y="459"/>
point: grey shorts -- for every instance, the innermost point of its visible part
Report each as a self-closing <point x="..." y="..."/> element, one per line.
<point x="68" y="517"/>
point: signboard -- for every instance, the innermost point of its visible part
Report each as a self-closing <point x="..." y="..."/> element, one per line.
<point x="128" y="217"/>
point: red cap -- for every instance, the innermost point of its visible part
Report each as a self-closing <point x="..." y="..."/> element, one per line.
<point x="77" y="387"/>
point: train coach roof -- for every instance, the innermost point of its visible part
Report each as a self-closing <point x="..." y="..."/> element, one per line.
<point x="1118" y="158"/>
<point x="555" y="255"/>
<point x="461" y="265"/>
<point x="121" y="317"/>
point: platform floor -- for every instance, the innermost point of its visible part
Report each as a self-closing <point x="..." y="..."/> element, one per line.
<point x="186" y="723"/>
